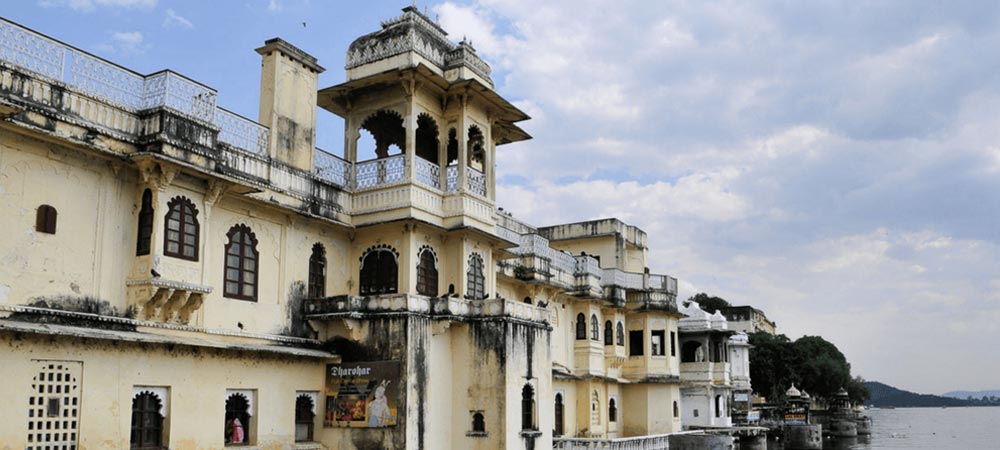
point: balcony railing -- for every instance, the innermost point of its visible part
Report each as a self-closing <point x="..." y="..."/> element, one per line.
<point x="377" y="172"/>
<point x="653" y="442"/>
<point x="333" y="169"/>
<point x="428" y="173"/>
<point x="476" y="181"/>
<point x="241" y="132"/>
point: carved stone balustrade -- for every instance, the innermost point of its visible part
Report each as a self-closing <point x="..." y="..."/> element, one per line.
<point x="355" y="307"/>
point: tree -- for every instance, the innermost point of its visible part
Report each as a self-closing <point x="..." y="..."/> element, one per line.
<point x="857" y="390"/>
<point x="811" y="363"/>
<point x="709" y="304"/>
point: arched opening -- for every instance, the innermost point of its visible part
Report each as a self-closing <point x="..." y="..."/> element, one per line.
<point x="385" y="136"/>
<point x="612" y="410"/>
<point x="476" y="149"/>
<point x="237" y="420"/>
<point x="527" y="300"/>
<point x="581" y="327"/>
<point x="718" y="406"/>
<point x="609" y="333"/>
<point x="427" y="273"/>
<point x="147" y="422"/>
<point x="452" y="147"/>
<point x="560" y="412"/>
<point x="379" y="272"/>
<point x="621" y="334"/>
<point x="143" y="242"/>
<point x="317" y="272"/>
<point x="304" y="418"/>
<point x="427" y="138"/>
<point x="527" y="408"/>
<point x="692" y="352"/>
<point x="595" y="332"/>
<point x="478" y="423"/>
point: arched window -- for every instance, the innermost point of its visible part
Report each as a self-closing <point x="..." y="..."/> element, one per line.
<point x="147" y="422"/>
<point x="609" y="333"/>
<point x="528" y="408"/>
<point x="581" y="327"/>
<point x="145" y="234"/>
<point x="427" y="273"/>
<point x="612" y="410"/>
<point x="241" y="264"/>
<point x="477" y="280"/>
<point x="317" y="271"/>
<point x="478" y="423"/>
<point x="527" y="300"/>
<point x="677" y="409"/>
<point x="237" y="419"/>
<point x="621" y="334"/>
<point x="304" y="416"/>
<point x="452" y="146"/>
<point x="718" y="406"/>
<point x="559" y="430"/>
<point x="427" y="138"/>
<point x="45" y="219"/>
<point x="379" y="272"/>
<point x="595" y="328"/>
<point x="181" y="237"/>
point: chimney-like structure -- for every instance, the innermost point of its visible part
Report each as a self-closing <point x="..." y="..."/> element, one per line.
<point x="288" y="82"/>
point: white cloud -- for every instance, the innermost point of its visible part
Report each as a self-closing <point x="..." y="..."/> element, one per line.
<point x="274" y="5"/>
<point x="124" y="43"/>
<point x="173" y="20"/>
<point x="91" y="5"/>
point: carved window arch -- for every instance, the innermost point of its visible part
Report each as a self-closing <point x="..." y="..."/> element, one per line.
<point x="581" y="327"/>
<point x="147" y="422"/>
<point x="609" y="338"/>
<point x="317" y="272"/>
<point x="560" y="412"/>
<point x="427" y="273"/>
<point x="612" y="410"/>
<point x="595" y="331"/>
<point x="237" y="429"/>
<point x="304" y="418"/>
<point x="620" y="331"/>
<point x="379" y="271"/>
<point x="477" y="279"/>
<point x="180" y="238"/>
<point x="45" y="219"/>
<point x="528" y="407"/>
<point x="242" y="259"/>
<point x="427" y="138"/>
<point x="386" y="128"/>
<point x="476" y="148"/>
<point x="143" y="242"/>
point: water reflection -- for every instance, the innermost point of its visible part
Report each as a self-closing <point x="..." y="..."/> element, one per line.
<point x="852" y="443"/>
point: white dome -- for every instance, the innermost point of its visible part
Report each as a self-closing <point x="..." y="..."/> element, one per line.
<point x="792" y="392"/>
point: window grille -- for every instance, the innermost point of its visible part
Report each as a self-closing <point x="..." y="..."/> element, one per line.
<point x="609" y="333"/>
<point x="528" y="408"/>
<point x="595" y="331"/>
<point x="427" y="273"/>
<point x="581" y="327"/>
<point x="477" y="280"/>
<point x="54" y="405"/>
<point x="147" y="422"/>
<point x="378" y="272"/>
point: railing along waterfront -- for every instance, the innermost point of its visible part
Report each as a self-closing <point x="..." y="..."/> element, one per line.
<point x="653" y="442"/>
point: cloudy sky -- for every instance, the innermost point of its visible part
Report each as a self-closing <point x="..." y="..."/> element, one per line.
<point x="835" y="164"/>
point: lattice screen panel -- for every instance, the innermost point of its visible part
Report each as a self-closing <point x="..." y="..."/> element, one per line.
<point x="54" y="406"/>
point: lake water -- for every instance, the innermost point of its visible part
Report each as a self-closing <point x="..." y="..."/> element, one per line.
<point x="927" y="428"/>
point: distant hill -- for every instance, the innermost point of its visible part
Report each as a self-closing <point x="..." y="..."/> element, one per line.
<point x="974" y="394"/>
<point x="883" y="395"/>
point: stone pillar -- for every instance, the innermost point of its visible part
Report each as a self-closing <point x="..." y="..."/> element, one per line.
<point x="463" y="142"/>
<point x="288" y="102"/>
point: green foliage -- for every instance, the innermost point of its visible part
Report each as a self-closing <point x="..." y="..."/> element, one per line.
<point x="709" y="304"/>
<point x="810" y="362"/>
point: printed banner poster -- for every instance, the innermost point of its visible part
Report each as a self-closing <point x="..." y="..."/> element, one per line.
<point x="362" y="395"/>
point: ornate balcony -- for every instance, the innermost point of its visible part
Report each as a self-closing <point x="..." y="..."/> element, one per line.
<point x="350" y="306"/>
